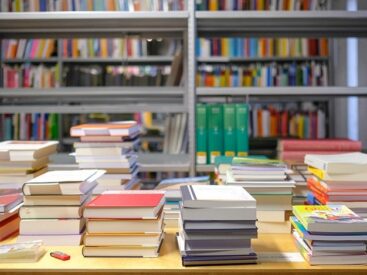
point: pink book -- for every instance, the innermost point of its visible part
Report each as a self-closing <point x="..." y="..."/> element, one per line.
<point x="341" y="145"/>
<point x="34" y="49"/>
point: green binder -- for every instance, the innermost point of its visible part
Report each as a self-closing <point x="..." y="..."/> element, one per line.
<point x="242" y="139"/>
<point x="215" y="131"/>
<point x="201" y="134"/>
<point x="229" y="126"/>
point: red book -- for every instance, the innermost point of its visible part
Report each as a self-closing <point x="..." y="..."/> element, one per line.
<point x="125" y="206"/>
<point x="9" y="226"/>
<point x="8" y="202"/>
<point x="338" y="145"/>
<point x="300" y="155"/>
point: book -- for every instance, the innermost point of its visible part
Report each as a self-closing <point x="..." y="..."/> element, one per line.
<point x="347" y="163"/>
<point x="229" y="130"/>
<point x="73" y="182"/>
<point x="57" y="227"/>
<point x="14" y="150"/>
<point x="130" y="239"/>
<point x="217" y="214"/>
<point x="211" y="196"/>
<point x="56" y="200"/>
<point x="51" y="212"/>
<point x="121" y="251"/>
<point x="201" y="134"/>
<point x="8" y="202"/>
<point x="242" y="128"/>
<point x="347" y="177"/>
<point x="9" y="225"/>
<point x="122" y="128"/>
<point x="215" y="131"/>
<point x="319" y="145"/>
<point x="133" y="205"/>
<point x="54" y="240"/>
<point x="325" y="218"/>
<point x="22" y="252"/>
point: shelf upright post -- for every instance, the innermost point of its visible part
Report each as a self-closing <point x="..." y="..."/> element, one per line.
<point x="191" y="88"/>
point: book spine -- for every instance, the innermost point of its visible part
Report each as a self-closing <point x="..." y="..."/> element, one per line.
<point x="321" y="145"/>
<point x="242" y="129"/>
<point x="229" y="124"/>
<point x="215" y="131"/>
<point x="201" y="134"/>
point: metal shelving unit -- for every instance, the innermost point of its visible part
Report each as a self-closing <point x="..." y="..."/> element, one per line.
<point x="187" y="24"/>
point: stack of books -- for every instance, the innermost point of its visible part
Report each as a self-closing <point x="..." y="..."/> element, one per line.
<point x="329" y="235"/>
<point x="266" y="180"/>
<point x="9" y="218"/>
<point x="295" y="150"/>
<point x="217" y="225"/>
<point x="21" y="161"/>
<point x="53" y="206"/>
<point x="109" y="146"/>
<point x="339" y="179"/>
<point x="172" y="193"/>
<point x="124" y="224"/>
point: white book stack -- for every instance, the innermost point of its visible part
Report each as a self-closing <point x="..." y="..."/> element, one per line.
<point x="53" y="206"/>
<point x="267" y="181"/>
<point x="112" y="147"/>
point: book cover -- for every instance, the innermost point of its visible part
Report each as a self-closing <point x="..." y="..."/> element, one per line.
<point x="229" y="123"/>
<point x="126" y="200"/>
<point x="242" y="136"/>
<point x="215" y="131"/>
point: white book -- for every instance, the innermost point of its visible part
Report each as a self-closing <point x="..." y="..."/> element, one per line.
<point x="51" y="212"/>
<point x="53" y="240"/>
<point x="123" y="239"/>
<point x="14" y="150"/>
<point x="121" y="251"/>
<point x="345" y="163"/>
<point x="198" y="196"/>
<point x="51" y="226"/>
<point x="270" y="216"/>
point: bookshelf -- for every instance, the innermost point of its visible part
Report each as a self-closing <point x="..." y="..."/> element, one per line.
<point x="187" y="25"/>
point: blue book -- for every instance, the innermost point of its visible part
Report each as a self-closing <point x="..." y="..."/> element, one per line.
<point x="83" y="5"/>
<point x="197" y="47"/>
<point x="43" y="5"/>
<point x="8" y="128"/>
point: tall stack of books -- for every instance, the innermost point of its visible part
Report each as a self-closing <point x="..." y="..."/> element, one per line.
<point x="21" y="161"/>
<point x="172" y="193"/>
<point x="109" y="146"/>
<point x="53" y="206"/>
<point x="124" y="224"/>
<point x="329" y="235"/>
<point x="217" y="225"/>
<point x="266" y="180"/>
<point x="295" y="150"/>
<point x="9" y="218"/>
<point x="339" y="179"/>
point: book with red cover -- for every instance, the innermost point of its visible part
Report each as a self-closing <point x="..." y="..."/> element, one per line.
<point x="8" y="202"/>
<point x="338" y="145"/>
<point x="299" y="156"/>
<point x="125" y="206"/>
<point x="9" y="226"/>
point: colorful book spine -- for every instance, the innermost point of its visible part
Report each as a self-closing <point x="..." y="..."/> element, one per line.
<point x="28" y="48"/>
<point x="201" y="134"/>
<point x="30" y="126"/>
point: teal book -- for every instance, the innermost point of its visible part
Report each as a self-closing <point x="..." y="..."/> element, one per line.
<point x="242" y="137"/>
<point x="215" y="131"/>
<point x="229" y="127"/>
<point x="201" y="134"/>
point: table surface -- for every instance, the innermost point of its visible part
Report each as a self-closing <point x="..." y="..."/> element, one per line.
<point x="169" y="261"/>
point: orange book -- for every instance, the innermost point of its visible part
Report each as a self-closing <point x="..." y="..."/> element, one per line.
<point x="65" y="52"/>
<point x="12" y="49"/>
<point x="104" y="47"/>
<point x="50" y="48"/>
<point x="90" y="5"/>
<point x="213" y="5"/>
<point x="111" y="5"/>
<point x="286" y="5"/>
<point x="74" y="47"/>
<point x="323" y="47"/>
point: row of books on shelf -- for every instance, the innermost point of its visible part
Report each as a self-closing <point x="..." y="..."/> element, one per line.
<point x="28" y="48"/>
<point x="279" y="120"/>
<point x="91" y="5"/>
<point x="263" y="75"/>
<point x="37" y="126"/>
<point x="221" y="129"/>
<point x="261" y="47"/>
<point x="87" y="48"/>
<point x="31" y="76"/>
<point x="40" y="76"/>
<point x="261" y="5"/>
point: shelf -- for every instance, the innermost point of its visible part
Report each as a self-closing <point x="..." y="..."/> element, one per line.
<point x="157" y="162"/>
<point x="205" y="168"/>
<point x="33" y="60"/>
<point x="138" y="59"/>
<point x="280" y="23"/>
<point x="94" y="108"/>
<point x="149" y="162"/>
<point x="282" y="91"/>
<point x="68" y="92"/>
<point x="66" y="24"/>
<point x="220" y="59"/>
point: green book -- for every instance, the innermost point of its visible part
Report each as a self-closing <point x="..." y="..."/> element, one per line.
<point x="242" y="139"/>
<point x="215" y="131"/>
<point x="229" y="126"/>
<point x="201" y="134"/>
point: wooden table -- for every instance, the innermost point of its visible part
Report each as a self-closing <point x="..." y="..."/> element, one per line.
<point x="170" y="262"/>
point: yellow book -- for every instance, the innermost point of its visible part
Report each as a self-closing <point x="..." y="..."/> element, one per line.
<point x="227" y="76"/>
<point x="213" y="5"/>
<point x="104" y="47"/>
<point x="260" y="5"/>
<point x="300" y="124"/>
<point x="317" y="172"/>
<point x="41" y="47"/>
<point x="225" y="48"/>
